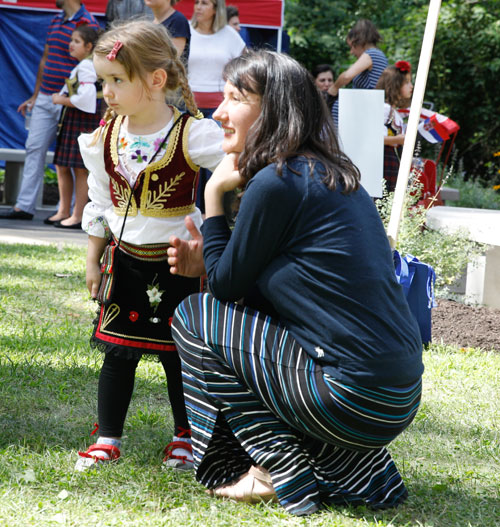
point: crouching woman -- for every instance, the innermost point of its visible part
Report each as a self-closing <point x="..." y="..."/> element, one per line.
<point x="293" y="393"/>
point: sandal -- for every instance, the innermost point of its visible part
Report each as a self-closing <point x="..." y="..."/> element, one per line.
<point x="179" y="462"/>
<point x="87" y="460"/>
<point x="244" y="488"/>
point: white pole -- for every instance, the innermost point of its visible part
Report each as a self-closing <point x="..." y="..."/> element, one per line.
<point x="279" y="46"/>
<point x="411" y="130"/>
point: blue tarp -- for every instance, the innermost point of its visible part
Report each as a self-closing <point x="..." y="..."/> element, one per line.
<point x="22" y="39"/>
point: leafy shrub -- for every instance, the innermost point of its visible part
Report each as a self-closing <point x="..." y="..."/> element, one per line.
<point x="50" y="176"/>
<point x="474" y="194"/>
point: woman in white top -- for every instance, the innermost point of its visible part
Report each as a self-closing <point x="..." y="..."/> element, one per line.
<point x="213" y="45"/>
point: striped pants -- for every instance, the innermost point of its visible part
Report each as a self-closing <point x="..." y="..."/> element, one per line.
<point x="254" y="397"/>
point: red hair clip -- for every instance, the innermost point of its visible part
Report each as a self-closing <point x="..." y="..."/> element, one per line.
<point x="116" y="48"/>
<point x="403" y="66"/>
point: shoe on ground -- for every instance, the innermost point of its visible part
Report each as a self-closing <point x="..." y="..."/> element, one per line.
<point x="60" y="225"/>
<point x="48" y="221"/>
<point x="14" y="214"/>
<point x="96" y="455"/>
<point x="179" y="455"/>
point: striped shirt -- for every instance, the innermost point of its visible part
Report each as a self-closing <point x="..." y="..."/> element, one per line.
<point x="367" y="80"/>
<point x="59" y="63"/>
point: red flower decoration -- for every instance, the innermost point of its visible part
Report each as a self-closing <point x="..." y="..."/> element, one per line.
<point x="133" y="316"/>
<point x="403" y="66"/>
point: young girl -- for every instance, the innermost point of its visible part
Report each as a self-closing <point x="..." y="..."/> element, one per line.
<point x="143" y="165"/>
<point x="81" y="113"/>
<point x="396" y="82"/>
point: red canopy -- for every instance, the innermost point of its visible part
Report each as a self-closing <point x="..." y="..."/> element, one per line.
<point x="259" y="13"/>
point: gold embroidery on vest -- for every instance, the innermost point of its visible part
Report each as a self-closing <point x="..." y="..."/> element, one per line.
<point x="156" y="200"/>
<point x="122" y="195"/>
<point x="185" y="150"/>
<point x="113" y="145"/>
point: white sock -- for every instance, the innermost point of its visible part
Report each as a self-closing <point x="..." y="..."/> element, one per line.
<point x="182" y="451"/>
<point x="106" y="441"/>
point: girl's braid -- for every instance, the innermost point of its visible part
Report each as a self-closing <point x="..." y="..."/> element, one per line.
<point x="108" y="115"/>
<point x="187" y="94"/>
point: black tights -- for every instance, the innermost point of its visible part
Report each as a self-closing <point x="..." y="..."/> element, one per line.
<point x="116" y="384"/>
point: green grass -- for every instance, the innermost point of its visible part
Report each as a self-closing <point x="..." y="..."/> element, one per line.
<point x="449" y="458"/>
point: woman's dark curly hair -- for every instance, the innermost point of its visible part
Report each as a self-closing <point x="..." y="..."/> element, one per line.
<point x="294" y="118"/>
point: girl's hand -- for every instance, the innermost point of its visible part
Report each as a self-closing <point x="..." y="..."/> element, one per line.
<point x="93" y="278"/>
<point x="59" y="99"/>
<point x="93" y="274"/>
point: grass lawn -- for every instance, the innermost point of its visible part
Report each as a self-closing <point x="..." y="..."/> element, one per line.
<point x="449" y="458"/>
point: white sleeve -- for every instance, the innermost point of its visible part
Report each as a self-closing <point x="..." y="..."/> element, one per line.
<point x="94" y="220"/>
<point x="85" y="98"/>
<point x="205" y="143"/>
<point x="387" y="111"/>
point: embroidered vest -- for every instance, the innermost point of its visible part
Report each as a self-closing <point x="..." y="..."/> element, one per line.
<point x="166" y="187"/>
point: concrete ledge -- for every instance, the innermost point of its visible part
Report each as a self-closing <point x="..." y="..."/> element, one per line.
<point x="483" y="224"/>
<point x="482" y="281"/>
<point x="14" y="166"/>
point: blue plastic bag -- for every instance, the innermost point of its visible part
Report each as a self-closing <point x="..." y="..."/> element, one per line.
<point x="417" y="279"/>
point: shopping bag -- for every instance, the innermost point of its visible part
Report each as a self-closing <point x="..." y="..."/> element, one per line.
<point x="417" y="279"/>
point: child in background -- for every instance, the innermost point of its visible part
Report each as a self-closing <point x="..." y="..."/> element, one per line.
<point x="81" y="113"/>
<point x="396" y="82"/>
<point x="143" y="164"/>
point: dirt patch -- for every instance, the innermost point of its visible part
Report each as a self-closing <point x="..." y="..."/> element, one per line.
<point x="466" y="326"/>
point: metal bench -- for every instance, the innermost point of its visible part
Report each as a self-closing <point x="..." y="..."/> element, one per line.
<point x="14" y="166"/>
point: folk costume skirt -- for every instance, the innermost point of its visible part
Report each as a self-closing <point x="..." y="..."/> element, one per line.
<point x="141" y="296"/>
<point x="392" y="156"/>
<point x="253" y="396"/>
<point x="74" y="122"/>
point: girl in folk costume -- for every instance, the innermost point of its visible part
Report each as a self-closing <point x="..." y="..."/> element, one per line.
<point x="396" y="82"/>
<point x="143" y="163"/>
<point x="81" y="113"/>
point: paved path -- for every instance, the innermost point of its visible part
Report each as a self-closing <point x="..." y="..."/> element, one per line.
<point x="36" y="232"/>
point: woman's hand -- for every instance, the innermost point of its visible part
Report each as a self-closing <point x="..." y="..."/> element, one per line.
<point x="225" y="178"/>
<point x="185" y="257"/>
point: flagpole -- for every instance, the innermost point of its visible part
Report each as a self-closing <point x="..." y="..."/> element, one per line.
<point x="411" y="130"/>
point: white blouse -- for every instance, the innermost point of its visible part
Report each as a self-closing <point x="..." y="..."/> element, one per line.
<point x="85" y="97"/>
<point x="397" y="124"/>
<point x="99" y="219"/>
